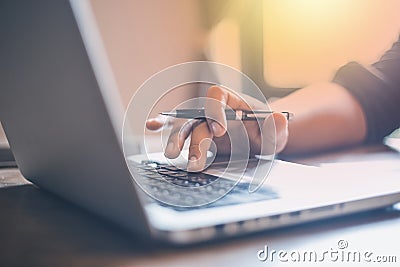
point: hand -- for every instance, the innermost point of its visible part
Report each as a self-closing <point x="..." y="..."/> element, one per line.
<point x="261" y="137"/>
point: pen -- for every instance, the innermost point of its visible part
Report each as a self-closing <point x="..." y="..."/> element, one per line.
<point x="230" y="114"/>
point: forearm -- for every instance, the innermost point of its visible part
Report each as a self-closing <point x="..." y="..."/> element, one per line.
<point x="325" y="116"/>
<point x="377" y="89"/>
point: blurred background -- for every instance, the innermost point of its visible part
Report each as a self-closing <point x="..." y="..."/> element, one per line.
<point x="281" y="44"/>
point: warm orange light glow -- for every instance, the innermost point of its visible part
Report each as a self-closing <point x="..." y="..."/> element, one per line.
<point x="306" y="41"/>
<point x="224" y="44"/>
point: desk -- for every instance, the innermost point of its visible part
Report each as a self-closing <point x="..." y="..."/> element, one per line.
<point x="39" y="229"/>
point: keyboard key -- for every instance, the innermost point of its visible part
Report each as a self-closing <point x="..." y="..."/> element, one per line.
<point x="171" y="168"/>
<point x="152" y="175"/>
<point x="146" y="167"/>
<point x="181" y="175"/>
<point x="166" y="172"/>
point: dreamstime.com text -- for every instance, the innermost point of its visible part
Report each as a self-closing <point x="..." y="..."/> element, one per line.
<point x="341" y="253"/>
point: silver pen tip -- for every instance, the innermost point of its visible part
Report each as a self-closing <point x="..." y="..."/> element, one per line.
<point x="168" y="113"/>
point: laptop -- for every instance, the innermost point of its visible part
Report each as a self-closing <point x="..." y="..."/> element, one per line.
<point x="59" y="110"/>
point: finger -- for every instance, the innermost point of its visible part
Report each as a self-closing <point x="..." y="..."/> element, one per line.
<point x="153" y="124"/>
<point x="217" y="100"/>
<point x="177" y="138"/>
<point x="158" y="123"/>
<point x="199" y="144"/>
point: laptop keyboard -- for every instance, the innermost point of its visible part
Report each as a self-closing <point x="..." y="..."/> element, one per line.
<point x="162" y="179"/>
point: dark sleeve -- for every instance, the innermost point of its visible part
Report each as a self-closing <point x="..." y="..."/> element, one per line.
<point x="377" y="88"/>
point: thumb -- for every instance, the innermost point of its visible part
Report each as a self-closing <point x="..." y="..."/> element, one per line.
<point x="274" y="134"/>
<point x="282" y="131"/>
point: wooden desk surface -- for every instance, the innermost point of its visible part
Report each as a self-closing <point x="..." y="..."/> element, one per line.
<point x="39" y="229"/>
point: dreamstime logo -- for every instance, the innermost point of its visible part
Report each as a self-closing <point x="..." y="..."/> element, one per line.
<point x="160" y="93"/>
<point x="339" y="254"/>
<point x="342" y="244"/>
